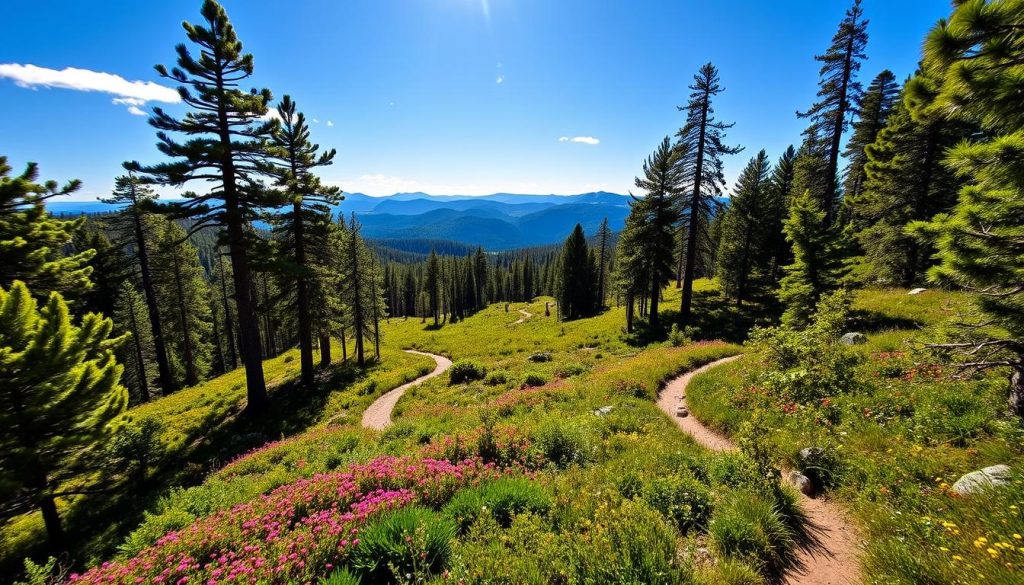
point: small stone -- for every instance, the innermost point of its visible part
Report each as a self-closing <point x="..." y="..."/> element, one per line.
<point x="802" y="483"/>
<point x="810" y="454"/>
<point x="682" y="412"/>
<point x="853" y="338"/>
<point x="976" y="481"/>
<point x="916" y="291"/>
<point x="603" y="410"/>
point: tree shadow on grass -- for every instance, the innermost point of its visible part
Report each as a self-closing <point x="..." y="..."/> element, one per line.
<point x="97" y="524"/>
<point x="873" y="321"/>
<point x="714" y="316"/>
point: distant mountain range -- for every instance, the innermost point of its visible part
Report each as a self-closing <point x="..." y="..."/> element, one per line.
<point x="501" y="221"/>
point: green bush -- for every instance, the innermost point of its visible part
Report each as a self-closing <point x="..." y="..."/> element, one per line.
<point x="340" y="577"/>
<point x="562" y="443"/>
<point x="533" y="379"/>
<point x="680" y="337"/>
<point x="747" y="527"/>
<point x="464" y="371"/>
<point x="503" y="499"/>
<point x="631" y="544"/>
<point x="682" y="500"/>
<point x="730" y="572"/>
<point x="410" y="541"/>
<point x="497" y="378"/>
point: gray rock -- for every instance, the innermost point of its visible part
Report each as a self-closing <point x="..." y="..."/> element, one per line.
<point x="916" y="291"/>
<point x="682" y="412"/>
<point x="810" y="454"/>
<point x="853" y="338"/>
<point x="976" y="481"/>
<point x="603" y="410"/>
<point x="801" y="482"/>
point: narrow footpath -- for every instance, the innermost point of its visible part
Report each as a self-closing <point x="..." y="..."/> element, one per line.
<point x="525" y="315"/>
<point x="833" y="559"/>
<point x="378" y="415"/>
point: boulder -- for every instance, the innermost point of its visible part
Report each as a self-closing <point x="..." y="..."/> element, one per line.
<point x="853" y="338"/>
<point x="976" y="481"/>
<point x="916" y="291"/>
<point x="682" y="412"/>
<point x="603" y="410"/>
<point x="802" y="483"/>
<point x="810" y="455"/>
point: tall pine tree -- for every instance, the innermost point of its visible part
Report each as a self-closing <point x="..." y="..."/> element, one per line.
<point x="577" y="279"/>
<point x="817" y="262"/>
<point x="873" y="109"/>
<point x="743" y="252"/>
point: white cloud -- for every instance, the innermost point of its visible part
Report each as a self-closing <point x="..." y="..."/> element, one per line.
<point x="129" y="93"/>
<point x="580" y="139"/>
<point x="136" y="111"/>
<point x="316" y="121"/>
<point x="500" y="79"/>
<point x="330" y="124"/>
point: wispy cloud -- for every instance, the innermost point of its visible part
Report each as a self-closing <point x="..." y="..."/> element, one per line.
<point x="330" y="124"/>
<point x="580" y="139"/>
<point x="500" y="79"/>
<point x="133" y="94"/>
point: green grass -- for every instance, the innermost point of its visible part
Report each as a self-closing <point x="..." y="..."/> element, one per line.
<point x="897" y="443"/>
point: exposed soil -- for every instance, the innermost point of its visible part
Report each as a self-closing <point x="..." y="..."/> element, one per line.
<point x="525" y="315"/>
<point x="378" y="415"/>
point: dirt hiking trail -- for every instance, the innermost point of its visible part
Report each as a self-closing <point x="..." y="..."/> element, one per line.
<point x="378" y="415"/>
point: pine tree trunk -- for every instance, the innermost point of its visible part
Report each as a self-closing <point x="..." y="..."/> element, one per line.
<point x="302" y="298"/>
<point x="229" y="329"/>
<point x="139" y="357"/>
<point x="1016" y="395"/>
<point x="191" y="374"/>
<point x="163" y="365"/>
<point x="344" y="346"/>
<point x="693" y="229"/>
<point x="629" y="311"/>
<point x="325" y="349"/>
<point x="51" y="517"/>
<point x="837" y="135"/>
<point x="655" y="293"/>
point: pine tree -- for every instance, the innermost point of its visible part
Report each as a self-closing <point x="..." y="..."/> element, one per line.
<point x="360" y="287"/>
<point x="838" y="91"/>
<point x="646" y="245"/>
<point x="701" y="149"/>
<point x="136" y="355"/>
<point x="906" y="182"/>
<point x="130" y="225"/>
<point x="183" y="292"/>
<point x="816" y="268"/>
<point x="59" y="386"/>
<point x="304" y="225"/>
<point x="744" y="235"/>
<point x="110" y="268"/>
<point x="604" y="235"/>
<point x="32" y="241"/>
<point x="781" y="186"/>
<point x="975" y="60"/>
<point x="480" y="272"/>
<point x="873" y="109"/>
<point x="227" y="145"/>
<point x="432" y="284"/>
<point x="576" y="280"/>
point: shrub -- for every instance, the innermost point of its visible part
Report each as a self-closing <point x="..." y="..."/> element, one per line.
<point x="464" y="371"/>
<point x="633" y="389"/>
<point x="533" y="379"/>
<point x="562" y="443"/>
<point x="731" y="572"/>
<point x="570" y="370"/>
<point x="629" y="544"/>
<point x="540" y="357"/>
<point x="682" y="500"/>
<point x="497" y="378"/>
<point x="408" y="541"/>
<point x="679" y="338"/>
<point x="504" y="499"/>
<point x="747" y="527"/>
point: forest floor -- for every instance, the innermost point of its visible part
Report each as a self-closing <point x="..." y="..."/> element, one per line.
<point x="832" y="559"/>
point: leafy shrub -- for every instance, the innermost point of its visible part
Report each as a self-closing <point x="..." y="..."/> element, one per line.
<point x="497" y="378"/>
<point x="731" y="572"/>
<point x="733" y="470"/>
<point x="540" y="357"/>
<point x="633" y="389"/>
<point x="682" y="500"/>
<point x="134" y="447"/>
<point x="562" y="442"/>
<point x="504" y="499"/>
<point x="570" y="370"/>
<point x="533" y="379"/>
<point x="805" y="366"/>
<point x="680" y="337"/>
<point x="408" y="541"/>
<point x="629" y="544"/>
<point x="464" y="371"/>
<point x="747" y="527"/>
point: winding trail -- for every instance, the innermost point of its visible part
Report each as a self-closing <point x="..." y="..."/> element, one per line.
<point x="525" y="315"/>
<point x="833" y="558"/>
<point x="378" y="415"/>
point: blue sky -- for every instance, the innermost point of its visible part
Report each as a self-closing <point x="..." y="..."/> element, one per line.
<point x="443" y="96"/>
